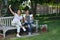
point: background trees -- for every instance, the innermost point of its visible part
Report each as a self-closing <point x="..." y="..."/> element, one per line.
<point x="16" y="3"/>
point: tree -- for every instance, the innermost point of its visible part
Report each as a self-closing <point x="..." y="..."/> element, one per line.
<point x="33" y="6"/>
<point x="0" y="7"/>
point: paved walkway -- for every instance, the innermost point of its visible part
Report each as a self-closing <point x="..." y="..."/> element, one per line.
<point x="34" y="34"/>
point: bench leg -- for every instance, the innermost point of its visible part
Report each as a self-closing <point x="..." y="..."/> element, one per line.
<point x="4" y="33"/>
<point x="36" y="25"/>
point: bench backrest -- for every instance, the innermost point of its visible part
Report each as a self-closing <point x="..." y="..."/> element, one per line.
<point x="6" y="21"/>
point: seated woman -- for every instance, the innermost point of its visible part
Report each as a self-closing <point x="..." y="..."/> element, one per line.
<point x="17" y="20"/>
<point x="28" y="18"/>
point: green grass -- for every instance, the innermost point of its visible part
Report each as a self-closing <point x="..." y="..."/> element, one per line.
<point x="52" y="34"/>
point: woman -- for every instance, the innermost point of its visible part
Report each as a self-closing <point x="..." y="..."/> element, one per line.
<point x="17" y="20"/>
<point x="28" y="18"/>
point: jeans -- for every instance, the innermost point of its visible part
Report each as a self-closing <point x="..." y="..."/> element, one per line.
<point x="29" y="26"/>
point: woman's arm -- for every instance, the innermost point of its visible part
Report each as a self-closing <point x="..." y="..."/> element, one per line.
<point x="11" y="10"/>
<point x="24" y="18"/>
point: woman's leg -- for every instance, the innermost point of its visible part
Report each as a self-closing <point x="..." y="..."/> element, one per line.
<point x="22" y="26"/>
<point x="18" y="25"/>
<point x="18" y="30"/>
<point x="29" y="29"/>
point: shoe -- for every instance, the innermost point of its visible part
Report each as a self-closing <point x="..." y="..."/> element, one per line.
<point x="29" y="34"/>
<point x="18" y="35"/>
<point x="23" y="28"/>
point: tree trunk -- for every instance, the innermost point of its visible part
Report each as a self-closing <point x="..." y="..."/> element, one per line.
<point x="0" y="9"/>
<point x="33" y="7"/>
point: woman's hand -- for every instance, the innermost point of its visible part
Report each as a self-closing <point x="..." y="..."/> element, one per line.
<point x="9" y="6"/>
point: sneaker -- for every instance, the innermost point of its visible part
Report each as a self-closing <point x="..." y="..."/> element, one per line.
<point x="23" y="28"/>
<point x="29" y="33"/>
<point x="18" y="35"/>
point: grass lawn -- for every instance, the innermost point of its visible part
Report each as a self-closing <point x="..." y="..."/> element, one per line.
<point x="52" y="34"/>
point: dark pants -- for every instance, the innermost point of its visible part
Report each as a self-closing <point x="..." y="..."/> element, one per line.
<point x="29" y="26"/>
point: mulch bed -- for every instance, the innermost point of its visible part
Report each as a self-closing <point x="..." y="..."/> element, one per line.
<point x="1" y="36"/>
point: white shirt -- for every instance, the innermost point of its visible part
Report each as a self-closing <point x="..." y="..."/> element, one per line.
<point x="31" y="17"/>
<point x="17" y="18"/>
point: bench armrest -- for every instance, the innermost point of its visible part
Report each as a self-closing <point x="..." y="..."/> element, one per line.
<point x="36" y="25"/>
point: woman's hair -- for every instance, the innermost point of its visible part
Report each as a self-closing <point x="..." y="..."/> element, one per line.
<point x="20" y="11"/>
<point x="29" y="11"/>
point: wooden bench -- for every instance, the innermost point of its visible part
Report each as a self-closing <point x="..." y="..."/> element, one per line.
<point x="5" y="24"/>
